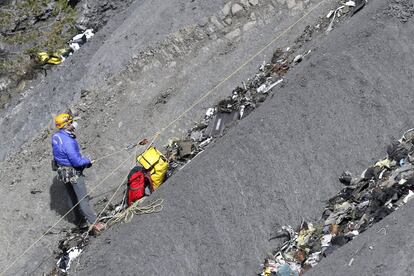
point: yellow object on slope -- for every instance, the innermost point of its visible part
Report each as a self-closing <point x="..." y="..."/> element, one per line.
<point x="156" y="163"/>
<point x="52" y="58"/>
<point x="386" y="163"/>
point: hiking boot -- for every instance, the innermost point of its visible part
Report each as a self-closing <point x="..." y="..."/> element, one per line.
<point x="98" y="228"/>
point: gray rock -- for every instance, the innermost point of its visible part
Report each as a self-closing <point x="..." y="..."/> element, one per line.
<point x="203" y="22"/>
<point x="226" y="9"/>
<point x="245" y="3"/>
<point x="299" y="5"/>
<point x="249" y="25"/>
<point x="216" y="22"/>
<point x="290" y="3"/>
<point x="4" y="83"/>
<point x="252" y="16"/>
<point x="236" y="9"/>
<point x="254" y="2"/>
<point x="228" y="21"/>
<point x="233" y="34"/>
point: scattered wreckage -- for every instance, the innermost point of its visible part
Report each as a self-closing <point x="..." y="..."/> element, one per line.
<point x="294" y="256"/>
<point x="57" y="57"/>
<point x="180" y="151"/>
<point x="365" y="200"/>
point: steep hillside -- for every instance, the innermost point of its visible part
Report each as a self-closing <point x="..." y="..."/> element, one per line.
<point x="337" y="111"/>
<point x="141" y="70"/>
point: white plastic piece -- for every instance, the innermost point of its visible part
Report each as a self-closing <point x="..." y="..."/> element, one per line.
<point x="350" y="4"/>
<point x="408" y="197"/>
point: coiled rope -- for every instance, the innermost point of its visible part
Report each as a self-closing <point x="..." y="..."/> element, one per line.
<point x="137" y="208"/>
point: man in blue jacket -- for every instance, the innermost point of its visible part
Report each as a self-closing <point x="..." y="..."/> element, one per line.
<point x="70" y="165"/>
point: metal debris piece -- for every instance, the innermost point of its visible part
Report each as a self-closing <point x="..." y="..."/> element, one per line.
<point x="220" y="121"/>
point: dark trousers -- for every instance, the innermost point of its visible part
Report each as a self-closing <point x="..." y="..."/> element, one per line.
<point x="76" y="191"/>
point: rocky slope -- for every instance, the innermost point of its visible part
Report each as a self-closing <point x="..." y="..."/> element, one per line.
<point x="143" y="68"/>
<point x="338" y="111"/>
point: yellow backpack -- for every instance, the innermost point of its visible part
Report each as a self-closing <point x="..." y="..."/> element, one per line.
<point x="156" y="163"/>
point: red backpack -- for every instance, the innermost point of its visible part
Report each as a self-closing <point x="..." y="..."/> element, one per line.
<point x="137" y="181"/>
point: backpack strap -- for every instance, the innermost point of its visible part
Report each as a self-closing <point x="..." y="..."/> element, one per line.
<point x="150" y="182"/>
<point x="153" y="165"/>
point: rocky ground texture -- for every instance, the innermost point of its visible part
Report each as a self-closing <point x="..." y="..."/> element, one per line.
<point x="336" y="110"/>
<point x="28" y="27"/>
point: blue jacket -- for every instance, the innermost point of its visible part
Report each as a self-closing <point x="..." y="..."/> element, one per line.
<point x="66" y="150"/>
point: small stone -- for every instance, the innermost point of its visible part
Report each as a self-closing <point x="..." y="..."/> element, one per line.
<point x="35" y="191"/>
<point x="299" y="5"/>
<point x="216" y="22"/>
<point x="249" y="25"/>
<point x="236" y="9"/>
<point x="254" y="2"/>
<point x="252" y="16"/>
<point x="228" y="21"/>
<point x="290" y="3"/>
<point x="226" y="9"/>
<point x="245" y="3"/>
<point x="203" y="22"/>
<point x="234" y="34"/>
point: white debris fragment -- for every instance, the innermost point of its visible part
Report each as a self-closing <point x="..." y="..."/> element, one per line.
<point x="335" y="14"/>
<point x="298" y="59"/>
<point x="241" y="111"/>
<point x="402" y="181"/>
<point x="307" y="53"/>
<point x="205" y="142"/>
<point x="273" y="85"/>
<point x="89" y="33"/>
<point x="74" y="46"/>
<point x="210" y="112"/>
<point x="331" y="12"/>
<point x="264" y="88"/>
<point x="350" y="4"/>
<point x="262" y="67"/>
<point x="408" y="197"/>
<point x="326" y="240"/>
<point x="261" y="88"/>
<point x="64" y="262"/>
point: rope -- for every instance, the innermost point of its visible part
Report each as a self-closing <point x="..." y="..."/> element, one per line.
<point x="59" y="220"/>
<point x="108" y="155"/>
<point x="106" y="206"/>
<point x="119" y="186"/>
<point x="240" y="67"/>
<point x="155" y="137"/>
<point x="136" y="209"/>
